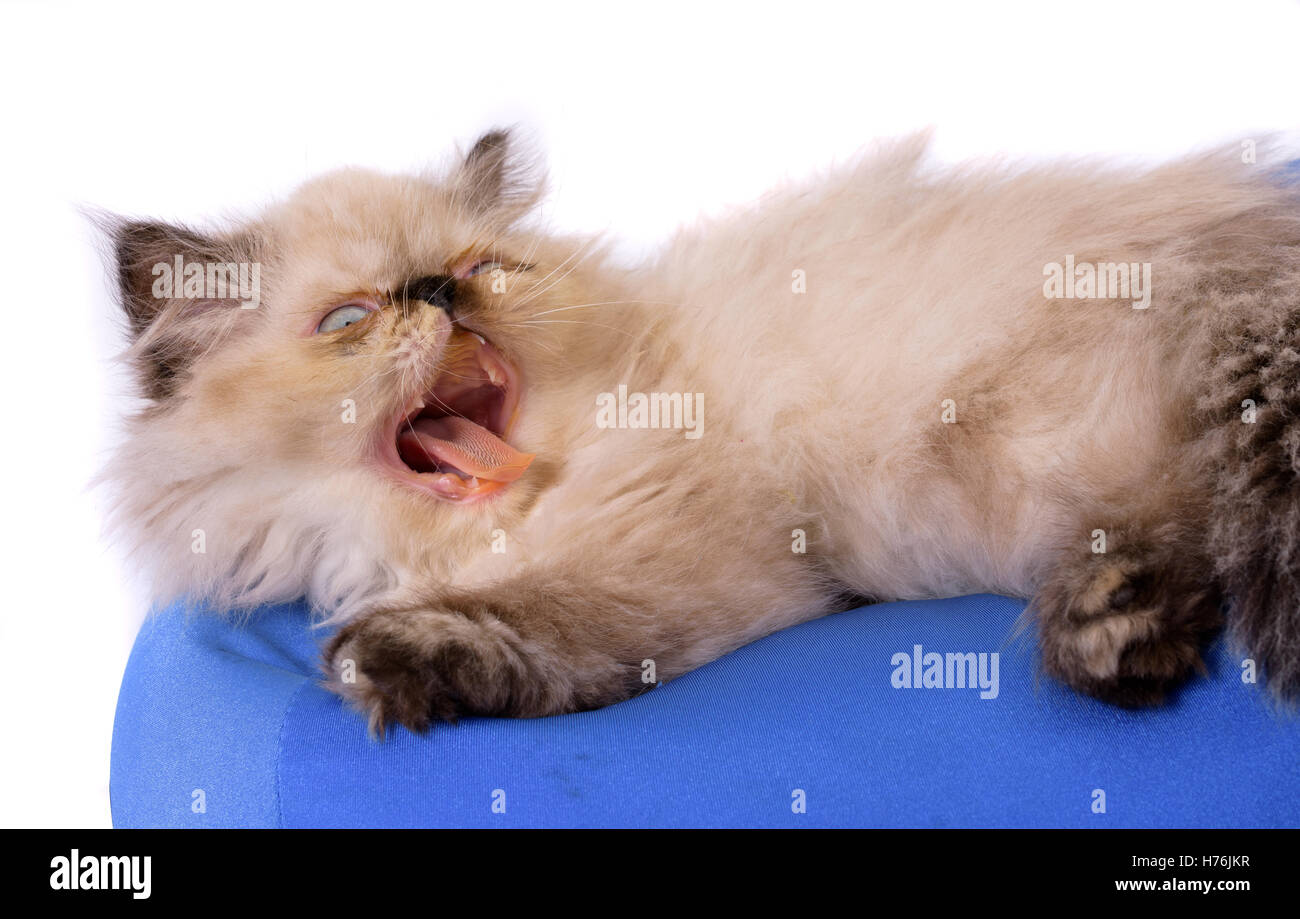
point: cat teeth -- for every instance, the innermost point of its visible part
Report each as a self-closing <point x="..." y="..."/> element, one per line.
<point x="481" y="339"/>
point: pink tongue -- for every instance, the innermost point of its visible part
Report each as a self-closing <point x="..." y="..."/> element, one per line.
<point x="471" y="448"/>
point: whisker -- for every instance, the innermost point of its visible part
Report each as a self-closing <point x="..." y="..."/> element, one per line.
<point x="580" y="254"/>
<point x="570" y="322"/>
<point x="579" y="306"/>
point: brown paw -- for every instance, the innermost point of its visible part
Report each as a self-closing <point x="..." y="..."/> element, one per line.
<point x="417" y="666"/>
<point x="1117" y="628"/>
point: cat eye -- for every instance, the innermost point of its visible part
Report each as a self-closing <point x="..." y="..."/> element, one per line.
<point x="341" y="318"/>
<point x="483" y="267"/>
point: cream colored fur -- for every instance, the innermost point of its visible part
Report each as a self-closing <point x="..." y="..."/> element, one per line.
<point x="823" y="409"/>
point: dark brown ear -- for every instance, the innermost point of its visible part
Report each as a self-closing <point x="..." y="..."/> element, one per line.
<point x="496" y="181"/>
<point x="182" y="293"/>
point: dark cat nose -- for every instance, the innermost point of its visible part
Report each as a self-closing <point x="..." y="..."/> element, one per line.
<point x="437" y="290"/>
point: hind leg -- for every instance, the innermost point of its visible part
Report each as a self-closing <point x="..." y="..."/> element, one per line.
<point x="1129" y="624"/>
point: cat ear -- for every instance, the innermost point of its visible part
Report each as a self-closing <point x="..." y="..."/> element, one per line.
<point x="182" y="293"/>
<point x="496" y="181"/>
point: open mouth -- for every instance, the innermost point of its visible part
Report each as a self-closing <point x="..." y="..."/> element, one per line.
<point x="453" y="436"/>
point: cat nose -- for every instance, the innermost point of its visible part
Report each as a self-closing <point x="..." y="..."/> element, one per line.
<point x="437" y="290"/>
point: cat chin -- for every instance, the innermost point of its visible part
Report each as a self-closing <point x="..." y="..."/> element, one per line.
<point x="447" y="487"/>
<point x="449" y="440"/>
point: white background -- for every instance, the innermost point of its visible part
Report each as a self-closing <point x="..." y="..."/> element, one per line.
<point x="649" y="114"/>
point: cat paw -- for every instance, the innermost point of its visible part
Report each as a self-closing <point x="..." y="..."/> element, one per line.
<point x="1123" y="631"/>
<point x="414" y="667"/>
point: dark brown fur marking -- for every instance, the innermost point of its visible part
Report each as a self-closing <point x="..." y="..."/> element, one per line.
<point x="1254" y="532"/>
<point x="1128" y="625"/>
<point x="470" y="655"/>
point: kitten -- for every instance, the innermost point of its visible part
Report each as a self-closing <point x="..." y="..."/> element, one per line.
<point x="890" y="382"/>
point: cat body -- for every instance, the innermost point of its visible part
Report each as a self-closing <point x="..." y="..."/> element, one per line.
<point x="895" y="389"/>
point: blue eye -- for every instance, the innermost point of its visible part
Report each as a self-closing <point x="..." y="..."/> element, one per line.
<point x="342" y="317"/>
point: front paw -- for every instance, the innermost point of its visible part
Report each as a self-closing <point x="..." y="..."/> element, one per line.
<point x="417" y="666"/>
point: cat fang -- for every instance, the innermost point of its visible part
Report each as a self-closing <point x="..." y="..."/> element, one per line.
<point x="450" y="440"/>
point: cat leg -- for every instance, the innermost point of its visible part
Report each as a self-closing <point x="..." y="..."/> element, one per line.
<point x="1129" y="623"/>
<point x="483" y="653"/>
<point x="657" y="581"/>
<point x="541" y="644"/>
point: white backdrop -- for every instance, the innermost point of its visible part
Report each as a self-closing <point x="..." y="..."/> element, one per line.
<point x="649" y="114"/>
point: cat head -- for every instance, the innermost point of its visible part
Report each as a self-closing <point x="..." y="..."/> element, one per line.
<point x="351" y="385"/>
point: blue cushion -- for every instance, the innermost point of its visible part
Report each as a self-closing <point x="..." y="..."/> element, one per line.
<point x="224" y="724"/>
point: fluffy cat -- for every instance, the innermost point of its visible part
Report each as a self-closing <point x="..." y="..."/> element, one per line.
<point x="405" y="428"/>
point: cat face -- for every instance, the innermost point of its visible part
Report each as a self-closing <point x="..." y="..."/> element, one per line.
<point x="378" y="407"/>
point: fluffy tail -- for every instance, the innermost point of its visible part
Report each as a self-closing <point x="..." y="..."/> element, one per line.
<point x="1254" y="531"/>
